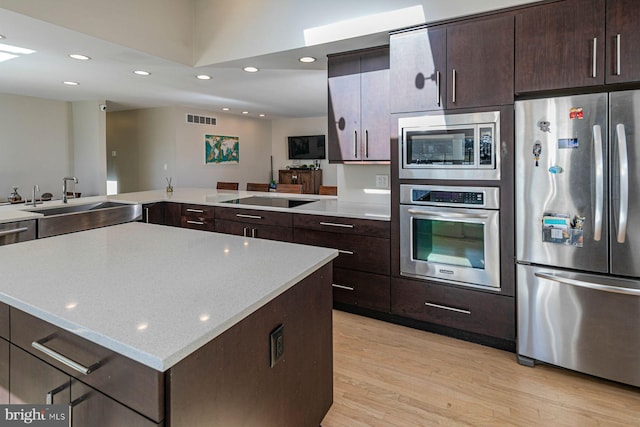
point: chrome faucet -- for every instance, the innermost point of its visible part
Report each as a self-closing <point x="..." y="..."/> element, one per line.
<point x="64" y="186"/>
<point x="33" y="194"/>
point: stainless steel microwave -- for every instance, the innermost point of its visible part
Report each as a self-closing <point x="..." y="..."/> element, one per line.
<point x="450" y="146"/>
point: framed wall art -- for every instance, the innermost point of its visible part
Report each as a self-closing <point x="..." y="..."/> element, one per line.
<point x="221" y="149"/>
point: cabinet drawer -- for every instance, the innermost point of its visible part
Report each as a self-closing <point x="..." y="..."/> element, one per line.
<point x="334" y="224"/>
<point x="134" y="384"/>
<point x="468" y="310"/>
<point x="197" y="223"/>
<point x="197" y="211"/>
<point x="254" y="216"/>
<point x="271" y="232"/>
<point x="19" y="231"/>
<point x="364" y="253"/>
<point x="361" y="289"/>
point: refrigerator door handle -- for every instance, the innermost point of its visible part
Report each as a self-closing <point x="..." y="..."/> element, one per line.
<point x="589" y="285"/>
<point x="599" y="169"/>
<point x="624" y="182"/>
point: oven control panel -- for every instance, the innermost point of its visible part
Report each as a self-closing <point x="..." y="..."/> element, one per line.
<point x="470" y="197"/>
<point x="454" y="197"/>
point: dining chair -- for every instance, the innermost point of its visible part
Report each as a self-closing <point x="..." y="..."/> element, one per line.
<point x="226" y="185"/>
<point x="255" y="186"/>
<point x="289" y="188"/>
<point x="328" y="190"/>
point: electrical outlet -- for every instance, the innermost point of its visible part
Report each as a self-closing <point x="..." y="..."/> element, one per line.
<point x="114" y="153"/>
<point x="382" y="181"/>
<point x="277" y="344"/>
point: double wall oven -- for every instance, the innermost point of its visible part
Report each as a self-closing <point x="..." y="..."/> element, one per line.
<point x="450" y="233"/>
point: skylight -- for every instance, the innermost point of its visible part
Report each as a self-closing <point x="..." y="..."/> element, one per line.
<point x="8" y="52"/>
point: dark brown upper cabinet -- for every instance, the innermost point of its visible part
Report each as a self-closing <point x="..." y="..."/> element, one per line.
<point x="359" y="107"/>
<point x="560" y="45"/>
<point x="623" y="49"/>
<point x="462" y="65"/>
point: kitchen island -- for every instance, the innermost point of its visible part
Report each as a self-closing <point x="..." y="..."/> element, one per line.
<point x="183" y="328"/>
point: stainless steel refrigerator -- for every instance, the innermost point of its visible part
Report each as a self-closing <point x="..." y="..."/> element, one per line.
<point x="578" y="233"/>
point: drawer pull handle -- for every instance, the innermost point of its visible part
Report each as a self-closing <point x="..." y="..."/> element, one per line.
<point x="335" y="224"/>
<point x="195" y="210"/>
<point x="39" y="345"/>
<point x="195" y="222"/>
<point x="348" y="288"/>
<point x="346" y="252"/>
<point x="14" y="231"/>
<point x="248" y="216"/>
<point x="444" y="307"/>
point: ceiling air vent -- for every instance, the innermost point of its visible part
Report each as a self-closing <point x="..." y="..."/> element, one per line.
<point x="201" y="120"/>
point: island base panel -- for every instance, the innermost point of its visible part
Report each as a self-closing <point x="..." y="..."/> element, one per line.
<point x="230" y="381"/>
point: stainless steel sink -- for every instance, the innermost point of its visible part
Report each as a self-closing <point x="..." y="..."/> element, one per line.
<point x="78" y="217"/>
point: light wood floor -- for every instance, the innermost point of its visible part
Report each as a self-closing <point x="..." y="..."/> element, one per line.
<point x="389" y="375"/>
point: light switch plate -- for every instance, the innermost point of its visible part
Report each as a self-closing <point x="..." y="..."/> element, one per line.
<point x="277" y="344"/>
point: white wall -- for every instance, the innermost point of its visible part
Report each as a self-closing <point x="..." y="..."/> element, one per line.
<point x="89" y="147"/>
<point x="147" y="140"/>
<point x="35" y="144"/>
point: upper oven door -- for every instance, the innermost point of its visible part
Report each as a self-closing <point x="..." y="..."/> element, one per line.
<point x="453" y="245"/>
<point x="456" y="146"/>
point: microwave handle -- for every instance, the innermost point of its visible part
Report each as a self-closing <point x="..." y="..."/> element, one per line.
<point x="440" y="215"/>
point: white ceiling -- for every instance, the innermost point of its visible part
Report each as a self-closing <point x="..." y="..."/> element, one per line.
<point x="284" y="87"/>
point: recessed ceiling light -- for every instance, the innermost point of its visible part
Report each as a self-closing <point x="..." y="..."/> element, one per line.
<point x="70" y="83"/>
<point x="225" y="109"/>
<point x="245" y="112"/>
<point x="2" y="37"/>
<point x="79" y="57"/>
<point x="142" y="73"/>
<point x="261" y="115"/>
<point x="251" y="69"/>
<point x="203" y="77"/>
<point x="307" y="59"/>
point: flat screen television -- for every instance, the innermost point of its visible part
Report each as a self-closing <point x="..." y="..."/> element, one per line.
<point x="310" y="147"/>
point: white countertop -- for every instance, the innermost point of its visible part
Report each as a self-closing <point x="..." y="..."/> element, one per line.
<point x="152" y="293"/>
<point x="322" y="205"/>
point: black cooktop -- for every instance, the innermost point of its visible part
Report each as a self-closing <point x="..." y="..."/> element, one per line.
<point x="279" y="202"/>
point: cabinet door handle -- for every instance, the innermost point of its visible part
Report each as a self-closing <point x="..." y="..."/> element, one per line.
<point x="355" y="144"/>
<point x="195" y="210"/>
<point x="453" y="92"/>
<point x="346" y="252"/>
<point x="248" y="216"/>
<point x="618" y="55"/>
<point x="85" y="370"/>
<point x="146" y="215"/>
<point x="253" y="232"/>
<point x="335" y="224"/>
<point x="52" y="393"/>
<point x="438" y="98"/>
<point x="14" y="231"/>
<point x="75" y="403"/>
<point x="195" y="222"/>
<point x="366" y="144"/>
<point x="446" y="307"/>
<point x="595" y="54"/>
<point x="244" y="231"/>
<point x="348" y="288"/>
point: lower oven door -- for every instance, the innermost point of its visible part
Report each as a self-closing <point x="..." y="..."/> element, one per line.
<point x="452" y="245"/>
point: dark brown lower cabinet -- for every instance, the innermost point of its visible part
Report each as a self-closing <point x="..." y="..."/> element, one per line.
<point x="35" y="381"/>
<point x="464" y="309"/>
<point x="4" y="371"/>
<point x="360" y="289"/>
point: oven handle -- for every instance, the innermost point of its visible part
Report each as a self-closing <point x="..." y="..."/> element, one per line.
<point x="447" y="214"/>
